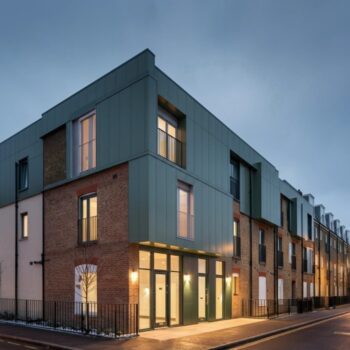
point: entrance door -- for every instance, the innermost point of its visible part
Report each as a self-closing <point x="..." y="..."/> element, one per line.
<point x="201" y="299"/>
<point x="160" y="300"/>
<point x="219" y="298"/>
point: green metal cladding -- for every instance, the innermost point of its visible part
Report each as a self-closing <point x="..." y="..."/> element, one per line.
<point x="126" y="102"/>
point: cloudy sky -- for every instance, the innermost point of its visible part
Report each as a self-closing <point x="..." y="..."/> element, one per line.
<point x="276" y="72"/>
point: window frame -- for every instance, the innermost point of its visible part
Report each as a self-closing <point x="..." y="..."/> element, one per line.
<point x="78" y="144"/>
<point x="190" y="214"/>
<point x="86" y="197"/>
<point x="235" y="179"/>
<point x="20" y="164"/>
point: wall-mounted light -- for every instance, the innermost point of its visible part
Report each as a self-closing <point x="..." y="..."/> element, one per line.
<point x="228" y="280"/>
<point x="134" y="276"/>
<point x="187" y="278"/>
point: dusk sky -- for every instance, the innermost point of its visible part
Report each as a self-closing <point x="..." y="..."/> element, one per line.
<point x="276" y="72"/>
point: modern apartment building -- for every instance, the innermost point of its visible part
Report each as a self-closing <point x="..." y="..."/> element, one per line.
<point x="133" y="186"/>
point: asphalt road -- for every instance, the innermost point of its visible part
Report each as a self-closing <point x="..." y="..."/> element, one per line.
<point x="12" y="345"/>
<point x="328" y="335"/>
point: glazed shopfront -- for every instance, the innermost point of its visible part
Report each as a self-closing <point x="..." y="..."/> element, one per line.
<point x="178" y="289"/>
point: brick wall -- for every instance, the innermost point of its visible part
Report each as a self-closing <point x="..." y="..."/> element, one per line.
<point x="114" y="257"/>
<point x="55" y="156"/>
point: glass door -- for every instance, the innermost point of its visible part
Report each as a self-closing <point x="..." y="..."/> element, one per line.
<point x="160" y="299"/>
<point x="201" y="298"/>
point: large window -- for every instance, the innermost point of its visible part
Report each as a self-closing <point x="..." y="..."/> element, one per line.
<point x="144" y="289"/>
<point x="86" y="288"/>
<point x="234" y="179"/>
<point x="85" y="142"/>
<point x="279" y="252"/>
<point x="185" y="211"/>
<point x="236" y="239"/>
<point x="23" y="174"/>
<point x="88" y="218"/>
<point x="169" y="144"/>
<point x="219" y="289"/>
<point x="308" y="260"/>
<point x="280" y="291"/>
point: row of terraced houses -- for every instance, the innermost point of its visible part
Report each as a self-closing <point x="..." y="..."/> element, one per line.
<point x="130" y="192"/>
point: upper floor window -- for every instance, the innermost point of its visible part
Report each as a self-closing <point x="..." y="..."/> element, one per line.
<point x="170" y="145"/>
<point x="236" y="239"/>
<point x="309" y="226"/>
<point x="23" y="174"/>
<point x="262" y="247"/>
<point x="85" y="142"/>
<point x="185" y="211"/>
<point x="24" y="226"/>
<point x="88" y="218"/>
<point x="234" y="179"/>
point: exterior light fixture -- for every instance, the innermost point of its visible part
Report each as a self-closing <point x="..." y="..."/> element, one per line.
<point x="187" y="278"/>
<point x="134" y="276"/>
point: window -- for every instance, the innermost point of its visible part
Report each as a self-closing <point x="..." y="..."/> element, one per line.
<point x="262" y="247"/>
<point x="24" y="226"/>
<point x="85" y="142"/>
<point x="308" y="260"/>
<point x="235" y="283"/>
<point x="236" y="239"/>
<point x="305" y="289"/>
<point x="234" y="179"/>
<point x="309" y="227"/>
<point x="315" y="232"/>
<point x="280" y="291"/>
<point x="311" y="290"/>
<point x="88" y="218"/>
<point x="185" y="211"/>
<point x="202" y="266"/>
<point x="23" y="174"/>
<point x="262" y="290"/>
<point x="160" y="261"/>
<point x="279" y="252"/>
<point x="169" y="145"/>
<point x="289" y="215"/>
<point x="290" y="252"/>
<point x="86" y="289"/>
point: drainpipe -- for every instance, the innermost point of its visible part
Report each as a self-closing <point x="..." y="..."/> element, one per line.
<point x="16" y="240"/>
<point x="43" y="257"/>
<point x="250" y="244"/>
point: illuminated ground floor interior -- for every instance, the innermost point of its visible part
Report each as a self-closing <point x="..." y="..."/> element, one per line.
<point x="178" y="289"/>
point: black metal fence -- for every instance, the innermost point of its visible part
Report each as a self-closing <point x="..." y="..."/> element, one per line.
<point x="110" y="320"/>
<point x="270" y="308"/>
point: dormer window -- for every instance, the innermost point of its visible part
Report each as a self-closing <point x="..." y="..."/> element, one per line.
<point x="23" y="174"/>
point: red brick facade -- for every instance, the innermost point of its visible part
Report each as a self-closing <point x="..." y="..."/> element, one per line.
<point x="114" y="256"/>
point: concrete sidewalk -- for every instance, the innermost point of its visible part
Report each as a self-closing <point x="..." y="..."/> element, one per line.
<point x="207" y="340"/>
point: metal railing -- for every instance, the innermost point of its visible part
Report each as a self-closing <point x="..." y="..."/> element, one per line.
<point x="109" y="320"/>
<point x="262" y="253"/>
<point x="269" y="308"/>
<point x="237" y="246"/>
<point x="171" y="148"/>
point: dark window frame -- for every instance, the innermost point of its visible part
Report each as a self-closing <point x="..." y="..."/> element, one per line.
<point x="235" y="179"/>
<point x="23" y="179"/>
<point x="89" y="219"/>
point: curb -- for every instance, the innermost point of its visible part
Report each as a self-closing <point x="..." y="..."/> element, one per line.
<point x="36" y="342"/>
<point x="274" y="332"/>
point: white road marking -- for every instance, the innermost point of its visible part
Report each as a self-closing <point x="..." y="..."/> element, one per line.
<point x="12" y="343"/>
<point x="288" y="332"/>
<point x="342" y="333"/>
